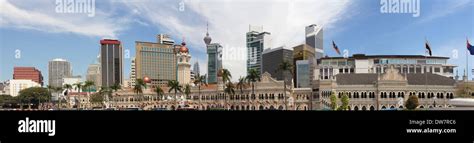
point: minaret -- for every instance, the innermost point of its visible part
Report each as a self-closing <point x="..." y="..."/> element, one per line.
<point x="184" y="65"/>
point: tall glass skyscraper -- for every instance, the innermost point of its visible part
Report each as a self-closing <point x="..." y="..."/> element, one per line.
<point x="214" y="61"/>
<point x="314" y="38"/>
<point x="302" y="74"/>
<point x="111" y="62"/>
<point x="257" y="41"/>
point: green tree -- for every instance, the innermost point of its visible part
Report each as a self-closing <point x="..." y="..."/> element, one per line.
<point x="226" y="77"/>
<point x="97" y="98"/>
<point x="229" y="89"/>
<point x="7" y="100"/>
<point x="252" y="77"/>
<point x="200" y="80"/>
<point x="138" y="88"/>
<point x="68" y="87"/>
<point x="412" y="102"/>
<point x="78" y="86"/>
<point x="88" y="84"/>
<point x="34" y="95"/>
<point x="241" y="84"/>
<point x="174" y="86"/>
<point x="333" y="100"/>
<point x="159" y="92"/>
<point x="187" y="90"/>
<point x="115" y="87"/>
<point x="285" y="67"/>
<point x="345" y="102"/>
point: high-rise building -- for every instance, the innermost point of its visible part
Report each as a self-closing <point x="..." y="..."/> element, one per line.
<point x="303" y="52"/>
<point x="314" y="38"/>
<point x="214" y="61"/>
<point x="272" y="58"/>
<point x="184" y="65"/>
<point x="257" y="41"/>
<point x="302" y="74"/>
<point x="57" y="70"/>
<point x="16" y="85"/>
<point x="30" y="73"/>
<point x="133" y="73"/>
<point x="93" y="74"/>
<point x="164" y="39"/>
<point x="111" y="62"/>
<point x="157" y="61"/>
<point x="196" y="68"/>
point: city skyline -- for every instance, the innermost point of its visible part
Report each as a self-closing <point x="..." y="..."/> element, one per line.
<point x="78" y="42"/>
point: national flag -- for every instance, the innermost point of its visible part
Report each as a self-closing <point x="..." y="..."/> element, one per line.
<point x="335" y="48"/>
<point x="470" y="48"/>
<point x="428" y="48"/>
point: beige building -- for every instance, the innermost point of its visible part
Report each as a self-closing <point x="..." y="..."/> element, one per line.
<point x="156" y="61"/>
<point x="388" y="91"/>
<point x="268" y="95"/>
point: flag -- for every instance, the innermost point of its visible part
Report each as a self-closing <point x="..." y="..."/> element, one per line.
<point x="428" y="48"/>
<point x="470" y="48"/>
<point x="335" y="48"/>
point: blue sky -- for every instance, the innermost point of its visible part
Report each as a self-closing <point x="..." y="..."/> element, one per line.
<point x="42" y="34"/>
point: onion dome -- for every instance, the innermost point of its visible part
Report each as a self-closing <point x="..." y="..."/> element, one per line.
<point x="146" y="79"/>
<point x="183" y="48"/>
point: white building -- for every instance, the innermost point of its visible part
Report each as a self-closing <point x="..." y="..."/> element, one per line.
<point x="133" y="73"/>
<point x="16" y="85"/>
<point x="329" y="67"/>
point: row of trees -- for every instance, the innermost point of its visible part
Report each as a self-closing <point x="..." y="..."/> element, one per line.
<point x="410" y="104"/>
<point x="200" y="80"/>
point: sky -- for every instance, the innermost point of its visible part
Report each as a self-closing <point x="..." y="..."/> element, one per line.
<point x="34" y="32"/>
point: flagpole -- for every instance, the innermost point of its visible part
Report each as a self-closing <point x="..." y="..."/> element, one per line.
<point x="426" y="65"/>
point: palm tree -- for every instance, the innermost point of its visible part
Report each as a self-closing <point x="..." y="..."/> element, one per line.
<point x="58" y="91"/>
<point x="78" y="87"/>
<point x="67" y="87"/>
<point x="174" y="85"/>
<point x="159" y="92"/>
<point x="115" y="87"/>
<point x="229" y="89"/>
<point x="139" y="85"/>
<point x="200" y="80"/>
<point x="187" y="90"/>
<point x="285" y="67"/>
<point x="88" y="84"/>
<point x="252" y="77"/>
<point x="241" y="84"/>
<point x="226" y="76"/>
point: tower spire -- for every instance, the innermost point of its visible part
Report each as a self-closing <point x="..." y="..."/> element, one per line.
<point x="207" y="39"/>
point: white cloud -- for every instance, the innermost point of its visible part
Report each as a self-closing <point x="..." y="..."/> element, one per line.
<point x="229" y="21"/>
<point x="444" y="8"/>
<point x="28" y="16"/>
